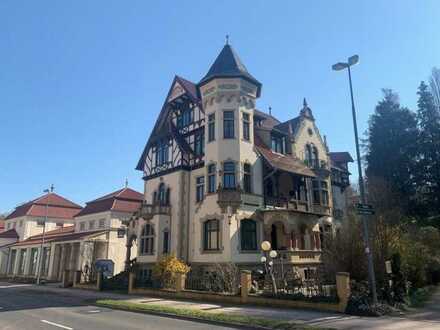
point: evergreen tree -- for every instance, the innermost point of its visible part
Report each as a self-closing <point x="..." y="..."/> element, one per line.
<point x="434" y="84"/>
<point x="391" y="147"/>
<point x="428" y="117"/>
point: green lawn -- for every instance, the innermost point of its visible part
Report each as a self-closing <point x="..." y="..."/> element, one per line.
<point x="202" y="315"/>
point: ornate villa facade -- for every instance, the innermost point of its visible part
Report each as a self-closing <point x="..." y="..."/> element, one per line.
<point x="221" y="177"/>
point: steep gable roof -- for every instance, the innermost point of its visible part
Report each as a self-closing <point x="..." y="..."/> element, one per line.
<point x="123" y="200"/>
<point x="160" y="128"/>
<point x="228" y="65"/>
<point x="57" y="207"/>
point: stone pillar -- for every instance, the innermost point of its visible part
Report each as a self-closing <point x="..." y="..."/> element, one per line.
<point x="180" y="282"/>
<point x="65" y="278"/>
<point x="27" y="262"/>
<point x="246" y="282"/>
<point x="317" y="240"/>
<point x="293" y="243"/>
<point x="131" y="281"/>
<point x="343" y="289"/>
<point x="76" y="278"/>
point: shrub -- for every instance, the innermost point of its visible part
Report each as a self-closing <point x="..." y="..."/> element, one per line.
<point x="167" y="268"/>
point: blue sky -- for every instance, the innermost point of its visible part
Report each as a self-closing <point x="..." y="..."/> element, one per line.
<point x="81" y="82"/>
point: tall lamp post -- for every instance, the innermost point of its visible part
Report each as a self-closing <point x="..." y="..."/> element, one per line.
<point x="40" y="254"/>
<point x="371" y="276"/>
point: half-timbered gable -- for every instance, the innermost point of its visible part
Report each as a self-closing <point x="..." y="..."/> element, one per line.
<point x="177" y="139"/>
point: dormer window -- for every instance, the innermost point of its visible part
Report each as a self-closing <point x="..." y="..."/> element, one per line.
<point x="278" y="144"/>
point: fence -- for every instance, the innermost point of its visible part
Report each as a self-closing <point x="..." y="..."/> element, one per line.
<point x="286" y="283"/>
<point x="187" y="289"/>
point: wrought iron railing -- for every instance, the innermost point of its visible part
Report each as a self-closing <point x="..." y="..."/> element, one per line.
<point x="310" y="284"/>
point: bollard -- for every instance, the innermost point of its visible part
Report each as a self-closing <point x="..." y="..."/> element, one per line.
<point x="246" y="282"/>
<point x="99" y="281"/>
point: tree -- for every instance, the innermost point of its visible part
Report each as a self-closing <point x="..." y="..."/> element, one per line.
<point x="428" y="117"/>
<point x="391" y="146"/>
<point x="434" y="84"/>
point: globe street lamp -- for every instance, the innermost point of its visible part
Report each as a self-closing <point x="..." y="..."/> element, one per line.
<point x="371" y="277"/>
<point x="267" y="260"/>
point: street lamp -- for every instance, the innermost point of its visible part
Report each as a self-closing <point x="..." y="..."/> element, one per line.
<point x="40" y="255"/>
<point x="267" y="260"/>
<point x="371" y="277"/>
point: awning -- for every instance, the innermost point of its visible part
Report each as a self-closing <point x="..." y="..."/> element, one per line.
<point x="285" y="163"/>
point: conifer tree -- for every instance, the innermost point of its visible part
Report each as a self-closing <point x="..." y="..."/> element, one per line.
<point x="428" y="116"/>
<point x="391" y="147"/>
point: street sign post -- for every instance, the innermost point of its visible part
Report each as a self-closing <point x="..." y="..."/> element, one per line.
<point x="365" y="209"/>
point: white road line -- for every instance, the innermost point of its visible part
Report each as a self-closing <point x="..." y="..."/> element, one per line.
<point x="94" y="311"/>
<point x="14" y="286"/>
<point x="56" y="325"/>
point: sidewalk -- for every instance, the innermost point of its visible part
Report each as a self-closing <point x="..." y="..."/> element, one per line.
<point x="428" y="319"/>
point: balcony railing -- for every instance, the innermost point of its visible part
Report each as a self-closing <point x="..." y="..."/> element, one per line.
<point x="285" y="203"/>
<point x="299" y="256"/>
<point x="150" y="210"/>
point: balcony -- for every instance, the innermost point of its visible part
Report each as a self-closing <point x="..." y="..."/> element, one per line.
<point x="229" y="198"/>
<point x="148" y="211"/>
<point x="285" y="203"/>
<point x="321" y="167"/>
<point x="299" y="256"/>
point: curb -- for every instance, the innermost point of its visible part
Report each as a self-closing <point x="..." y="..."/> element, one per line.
<point x="189" y="318"/>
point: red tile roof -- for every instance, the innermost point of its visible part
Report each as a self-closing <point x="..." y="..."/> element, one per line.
<point x="285" y="162"/>
<point x="11" y="233"/>
<point x="123" y="200"/>
<point x="57" y="207"/>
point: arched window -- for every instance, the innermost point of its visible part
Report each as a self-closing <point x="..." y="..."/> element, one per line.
<point x="308" y="155"/>
<point x="315" y="158"/>
<point x="147" y="239"/>
<point x="211" y="235"/>
<point x="162" y="194"/>
<point x="248" y="233"/>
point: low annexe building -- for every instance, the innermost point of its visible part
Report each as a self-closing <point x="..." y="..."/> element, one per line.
<point x="91" y="235"/>
<point x="221" y="177"/>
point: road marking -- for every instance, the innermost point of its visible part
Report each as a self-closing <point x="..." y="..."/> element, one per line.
<point x="94" y="311"/>
<point x="14" y="286"/>
<point x="56" y="325"/>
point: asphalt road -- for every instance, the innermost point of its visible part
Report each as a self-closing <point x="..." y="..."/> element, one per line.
<point x="24" y="309"/>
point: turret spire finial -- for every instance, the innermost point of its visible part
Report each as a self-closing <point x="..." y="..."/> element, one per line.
<point x="227" y="39"/>
<point x="126" y="183"/>
<point x="270" y="111"/>
<point x="305" y="103"/>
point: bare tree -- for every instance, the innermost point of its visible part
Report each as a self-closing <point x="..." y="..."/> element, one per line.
<point x="434" y="84"/>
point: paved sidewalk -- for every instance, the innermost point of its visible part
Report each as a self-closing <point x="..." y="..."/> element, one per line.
<point x="428" y="319"/>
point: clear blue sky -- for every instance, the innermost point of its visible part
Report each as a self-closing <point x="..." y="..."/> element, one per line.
<point x="81" y="82"/>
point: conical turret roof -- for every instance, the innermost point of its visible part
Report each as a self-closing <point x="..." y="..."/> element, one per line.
<point x="229" y="65"/>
